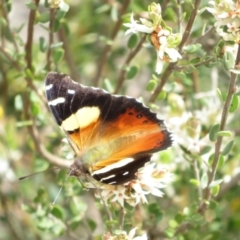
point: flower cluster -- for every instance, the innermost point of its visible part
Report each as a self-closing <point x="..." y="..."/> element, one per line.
<point x="150" y="180"/>
<point x="124" y="236"/>
<point x="164" y="41"/>
<point x="227" y="14"/>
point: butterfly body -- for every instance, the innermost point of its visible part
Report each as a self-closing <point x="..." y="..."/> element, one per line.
<point x="113" y="136"/>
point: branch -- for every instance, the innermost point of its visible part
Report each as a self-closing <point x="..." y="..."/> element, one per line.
<point x="168" y="71"/>
<point x="121" y="217"/>
<point x="50" y="40"/>
<point x="212" y="172"/>
<point x="107" y="48"/>
<point x="129" y="58"/>
<point x="37" y="140"/>
<point x="68" y="55"/>
<point x="28" y="46"/>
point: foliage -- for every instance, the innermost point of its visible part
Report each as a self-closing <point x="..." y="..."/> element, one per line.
<point x="196" y="95"/>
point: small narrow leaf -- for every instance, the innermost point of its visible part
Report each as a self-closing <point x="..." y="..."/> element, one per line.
<point x="151" y="85"/>
<point x="55" y="45"/>
<point x="132" y="72"/>
<point x="58" y="55"/>
<point x="228" y="60"/>
<point x="215" y="190"/>
<point x="215" y="183"/>
<point x="31" y="5"/>
<point x="57" y="211"/>
<point x="132" y="41"/>
<point x="42" y="44"/>
<point x="221" y="161"/>
<point x="162" y="95"/>
<point x="219" y="93"/>
<point x="213" y="132"/>
<point x="234" y="104"/>
<point x="228" y="148"/>
<point x="44" y="17"/>
<point x="204" y="180"/>
<point x="224" y="134"/>
<point x="195" y="182"/>
<point x="205" y="150"/>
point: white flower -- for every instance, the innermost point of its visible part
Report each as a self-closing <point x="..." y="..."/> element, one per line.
<point x="149" y="180"/>
<point x="161" y="37"/>
<point x="227" y="14"/>
<point x="134" y="27"/>
<point x="124" y="236"/>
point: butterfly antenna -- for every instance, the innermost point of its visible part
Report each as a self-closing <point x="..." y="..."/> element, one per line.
<point x="32" y="174"/>
<point x="61" y="188"/>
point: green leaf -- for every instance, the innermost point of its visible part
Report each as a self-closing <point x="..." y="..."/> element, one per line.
<point x="205" y="150"/>
<point x="236" y="71"/>
<point x="56" y="25"/>
<point x="60" y="14"/>
<point x="75" y="221"/>
<point x="151" y="85"/>
<point x="132" y="72"/>
<point x="219" y="93"/>
<point x="44" y="17"/>
<point x="215" y="190"/>
<point x="132" y="41"/>
<point x="24" y="123"/>
<point x="228" y="148"/>
<point x="192" y="48"/>
<point x="42" y="44"/>
<point x="108" y="85"/>
<point x="228" y="60"/>
<point x="114" y="12"/>
<point x="58" y="55"/>
<point x="234" y="104"/>
<point x="221" y="161"/>
<point x="103" y="8"/>
<point x="179" y="218"/>
<point x="31" y="5"/>
<point x="194" y="182"/>
<point x="57" y="211"/>
<point x="56" y="45"/>
<point x="161" y="96"/>
<point x="195" y="60"/>
<point x="210" y="159"/>
<point x="213" y="132"/>
<point x="64" y="6"/>
<point x="155" y="210"/>
<point x="18" y="102"/>
<point x="204" y="180"/>
<point x="213" y="204"/>
<point x="91" y="224"/>
<point x="215" y="183"/>
<point x="224" y="134"/>
<point x="180" y="75"/>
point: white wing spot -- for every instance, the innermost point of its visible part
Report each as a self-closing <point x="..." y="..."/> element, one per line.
<point x="48" y="87"/>
<point x="126" y="173"/>
<point x="56" y="101"/>
<point x="71" y="91"/>
<point x="111" y="176"/>
<point x="118" y="164"/>
<point x="81" y="119"/>
<point x="112" y="183"/>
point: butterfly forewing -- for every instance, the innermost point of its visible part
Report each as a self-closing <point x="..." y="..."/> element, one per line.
<point x="113" y="135"/>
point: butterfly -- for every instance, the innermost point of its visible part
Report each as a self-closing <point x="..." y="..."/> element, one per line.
<point x="113" y="136"/>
